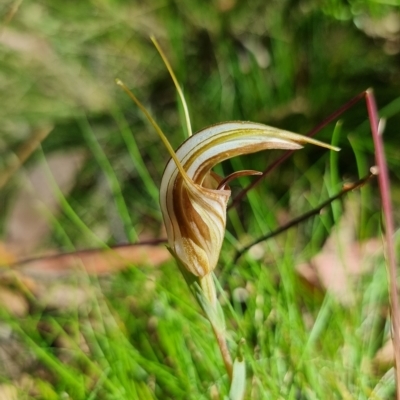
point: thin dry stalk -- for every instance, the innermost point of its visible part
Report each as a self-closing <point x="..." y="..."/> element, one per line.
<point x="384" y="187"/>
<point x="315" y="211"/>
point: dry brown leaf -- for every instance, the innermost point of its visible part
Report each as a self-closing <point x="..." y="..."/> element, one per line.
<point x="342" y="258"/>
<point x="27" y="224"/>
<point x="14" y="302"/>
<point x="96" y="261"/>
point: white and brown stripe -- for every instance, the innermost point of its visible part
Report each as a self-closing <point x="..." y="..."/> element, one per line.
<point x="194" y="210"/>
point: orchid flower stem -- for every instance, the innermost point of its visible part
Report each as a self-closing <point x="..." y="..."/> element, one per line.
<point x="208" y="287"/>
<point x="216" y="318"/>
<point x="223" y="347"/>
<point x="204" y="291"/>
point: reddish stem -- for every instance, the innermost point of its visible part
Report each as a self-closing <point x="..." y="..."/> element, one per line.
<point x="384" y="187"/>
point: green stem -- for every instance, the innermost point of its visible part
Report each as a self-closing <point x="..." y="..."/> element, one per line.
<point x="216" y="318"/>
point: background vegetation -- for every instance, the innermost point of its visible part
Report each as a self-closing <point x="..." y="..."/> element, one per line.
<point x="137" y="333"/>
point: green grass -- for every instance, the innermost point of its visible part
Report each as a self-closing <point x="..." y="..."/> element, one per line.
<point x="140" y="334"/>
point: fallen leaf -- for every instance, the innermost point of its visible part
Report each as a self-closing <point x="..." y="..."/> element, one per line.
<point x="342" y="259"/>
<point x="14" y="302"/>
<point x="96" y="261"/>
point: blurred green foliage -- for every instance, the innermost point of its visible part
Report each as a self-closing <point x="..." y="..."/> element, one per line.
<point x="286" y="63"/>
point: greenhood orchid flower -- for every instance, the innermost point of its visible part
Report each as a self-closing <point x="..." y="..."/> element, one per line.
<point x="193" y="198"/>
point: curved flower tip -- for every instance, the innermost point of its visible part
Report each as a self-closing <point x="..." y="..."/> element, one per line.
<point x="193" y="198"/>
